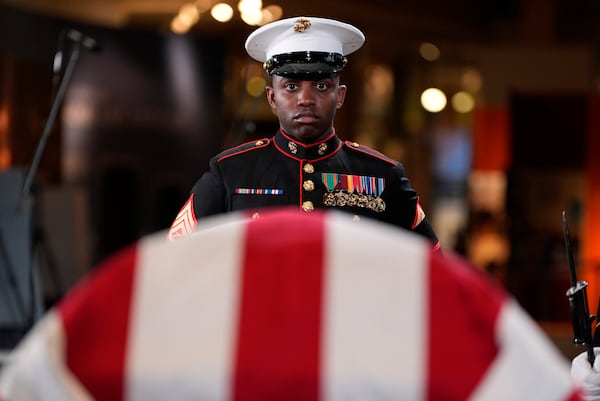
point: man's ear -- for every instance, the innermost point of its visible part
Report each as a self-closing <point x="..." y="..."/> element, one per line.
<point x="270" y="96"/>
<point x="341" y="96"/>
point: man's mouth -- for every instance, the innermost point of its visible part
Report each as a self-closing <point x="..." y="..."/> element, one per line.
<point x="306" y="118"/>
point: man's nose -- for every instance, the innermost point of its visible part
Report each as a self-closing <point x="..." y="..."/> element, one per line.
<point x="306" y="95"/>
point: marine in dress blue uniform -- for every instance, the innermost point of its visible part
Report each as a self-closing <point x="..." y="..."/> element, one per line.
<point x="285" y="171"/>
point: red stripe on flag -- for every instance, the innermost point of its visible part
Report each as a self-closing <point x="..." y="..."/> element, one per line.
<point x="95" y="316"/>
<point x="279" y="328"/>
<point x="462" y="320"/>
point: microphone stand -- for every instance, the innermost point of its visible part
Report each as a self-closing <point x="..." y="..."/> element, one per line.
<point x="58" y="99"/>
<point x="27" y="197"/>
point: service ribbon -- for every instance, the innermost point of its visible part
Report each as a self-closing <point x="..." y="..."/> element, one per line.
<point x="361" y="184"/>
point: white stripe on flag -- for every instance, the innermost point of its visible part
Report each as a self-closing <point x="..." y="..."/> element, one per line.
<point x="37" y="370"/>
<point x="184" y="317"/>
<point x="528" y="366"/>
<point x="375" y="313"/>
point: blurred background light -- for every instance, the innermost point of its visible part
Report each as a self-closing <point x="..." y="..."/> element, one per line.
<point x="255" y="86"/>
<point x="249" y="6"/>
<point x="471" y="80"/>
<point x="433" y="100"/>
<point x="251" y="13"/>
<point x="252" y="17"/>
<point x="429" y="51"/>
<point x="271" y="13"/>
<point x="463" y="102"/>
<point x="222" y="12"/>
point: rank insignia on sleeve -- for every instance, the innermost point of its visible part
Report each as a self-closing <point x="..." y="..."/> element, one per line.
<point x="354" y="191"/>
<point x="419" y="216"/>
<point x="185" y="222"/>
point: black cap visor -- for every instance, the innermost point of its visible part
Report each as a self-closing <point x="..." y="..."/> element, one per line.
<point x="305" y="64"/>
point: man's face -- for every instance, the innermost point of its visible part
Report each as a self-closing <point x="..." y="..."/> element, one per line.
<point x="306" y="109"/>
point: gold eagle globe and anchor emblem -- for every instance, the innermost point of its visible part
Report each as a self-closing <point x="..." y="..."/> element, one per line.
<point x="301" y="25"/>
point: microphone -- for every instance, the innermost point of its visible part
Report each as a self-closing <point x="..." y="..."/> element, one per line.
<point x="57" y="63"/>
<point x="60" y="87"/>
<point x="87" y="41"/>
<point x="58" y="56"/>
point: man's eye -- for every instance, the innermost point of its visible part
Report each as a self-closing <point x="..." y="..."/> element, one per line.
<point x="322" y="86"/>
<point x="290" y="86"/>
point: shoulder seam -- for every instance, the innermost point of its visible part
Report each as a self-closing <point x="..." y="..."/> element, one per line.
<point x="370" y="152"/>
<point x="243" y="148"/>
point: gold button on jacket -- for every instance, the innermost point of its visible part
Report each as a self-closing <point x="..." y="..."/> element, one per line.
<point x="308" y="185"/>
<point x="308" y="206"/>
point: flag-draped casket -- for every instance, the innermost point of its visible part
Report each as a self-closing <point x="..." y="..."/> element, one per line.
<point x="289" y="306"/>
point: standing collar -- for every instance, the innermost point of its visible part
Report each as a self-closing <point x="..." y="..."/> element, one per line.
<point x="309" y="152"/>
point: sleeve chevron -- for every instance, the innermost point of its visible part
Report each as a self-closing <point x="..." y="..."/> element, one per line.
<point x="185" y="222"/>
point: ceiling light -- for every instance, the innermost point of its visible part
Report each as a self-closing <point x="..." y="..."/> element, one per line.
<point x="222" y="12"/>
<point x="252" y="17"/>
<point x="245" y="6"/>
